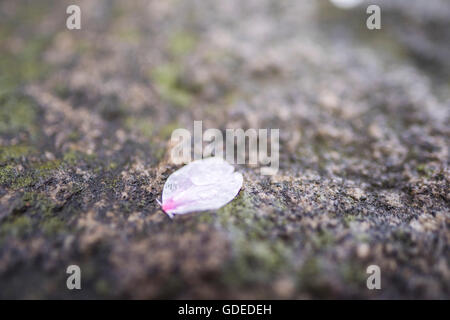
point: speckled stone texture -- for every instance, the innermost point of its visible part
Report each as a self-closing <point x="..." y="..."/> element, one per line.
<point x="86" y="118"/>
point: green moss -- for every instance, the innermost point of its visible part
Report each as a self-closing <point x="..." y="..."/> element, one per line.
<point x="241" y="214"/>
<point x="41" y="212"/>
<point x="143" y="125"/>
<point x="310" y="277"/>
<point x="280" y="205"/>
<point x="48" y="165"/>
<point x="42" y="170"/>
<point x="347" y="219"/>
<point x="84" y="46"/>
<point x="22" y="182"/>
<point x="70" y="157"/>
<point x="14" y="152"/>
<point x="38" y="204"/>
<point x="18" y="68"/>
<point x="21" y="66"/>
<point x="73" y="157"/>
<point x="166" y="78"/>
<point x="112" y="183"/>
<point x="255" y="261"/>
<point x="15" y="179"/>
<point x="74" y="136"/>
<point x="16" y="227"/>
<point x="16" y="114"/>
<point x="154" y="136"/>
<point x="11" y="178"/>
<point x="166" y="75"/>
<point x="158" y="152"/>
<point x="424" y="171"/>
<point x="323" y="239"/>
<point x="52" y="225"/>
<point x="240" y="208"/>
<point x="352" y="272"/>
<point x="257" y="257"/>
<point x="37" y="214"/>
<point x="309" y="270"/>
<point x="181" y="43"/>
<point x="130" y="36"/>
<point x="166" y="131"/>
<point x="112" y="165"/>
<point x="7" y="174"/>
<point x="102" y="287"/>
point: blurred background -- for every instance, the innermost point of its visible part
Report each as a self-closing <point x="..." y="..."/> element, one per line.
<point x="86" y="116"/>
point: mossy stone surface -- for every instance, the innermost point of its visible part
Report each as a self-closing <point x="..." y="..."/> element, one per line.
<point x="86" y="118"/>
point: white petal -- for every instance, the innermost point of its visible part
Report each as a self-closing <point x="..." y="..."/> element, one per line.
<point x="201" y="185"/>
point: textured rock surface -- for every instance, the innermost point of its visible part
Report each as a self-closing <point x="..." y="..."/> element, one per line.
<point x="86" y="116"/>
